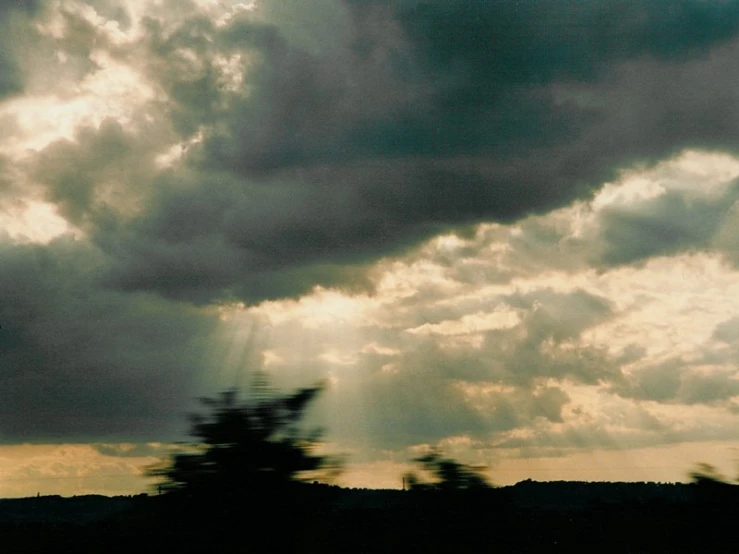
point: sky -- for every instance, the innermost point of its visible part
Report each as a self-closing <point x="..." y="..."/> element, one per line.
<point x="505" y="230"/>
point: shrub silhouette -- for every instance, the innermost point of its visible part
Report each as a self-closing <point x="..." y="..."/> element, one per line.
<point x="706" y="474"/>
<point x="246" y="446"/>
<point x="448" y="474"/>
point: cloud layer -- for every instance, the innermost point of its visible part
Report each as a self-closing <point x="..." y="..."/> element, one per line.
<point x="493" y="197"/>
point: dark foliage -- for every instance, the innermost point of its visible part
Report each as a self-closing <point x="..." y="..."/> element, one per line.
<point x="530" y="517"/>
<point x="447" y="475"/>
<point x="705" y="474"/>
<point x="247" y="446"/>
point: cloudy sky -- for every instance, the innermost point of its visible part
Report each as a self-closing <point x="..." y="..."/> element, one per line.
<point x="509" y="230"/>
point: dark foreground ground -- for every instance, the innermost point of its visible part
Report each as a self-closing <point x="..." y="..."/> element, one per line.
<point x="529" y="517"/>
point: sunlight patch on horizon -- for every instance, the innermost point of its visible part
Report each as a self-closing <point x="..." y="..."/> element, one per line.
<point x="75" y="469"/>
<point x="667" y="463"/>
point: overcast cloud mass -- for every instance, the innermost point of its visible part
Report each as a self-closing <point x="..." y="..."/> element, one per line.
<point x="507" y="229"/>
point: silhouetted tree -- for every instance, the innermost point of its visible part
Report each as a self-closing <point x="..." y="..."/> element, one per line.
<point x="706" y="474"/>
<point x="447" y="474"/>
<point x="244" y="446"/>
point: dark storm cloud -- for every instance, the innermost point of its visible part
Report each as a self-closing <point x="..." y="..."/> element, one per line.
<point x="13" y="25"/>
<point x="248" y="243"/>
<point x="6" y="6"/>
<point x="77" y="361"/>
<point x="319" y="157"/>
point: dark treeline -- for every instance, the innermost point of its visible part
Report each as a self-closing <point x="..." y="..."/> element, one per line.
<point x="527" y="517"/>
<point x="247" y="483"/>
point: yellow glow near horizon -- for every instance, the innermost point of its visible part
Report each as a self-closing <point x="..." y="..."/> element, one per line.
<point x="70" y="469"/>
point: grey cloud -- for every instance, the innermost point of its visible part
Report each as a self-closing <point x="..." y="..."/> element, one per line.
<point x="620" y="425"/>
<point x="708" y="387"/>
<point x="521" y="407"/>
<point x="532" y="348"/>
<point x="39" y="62"/>
<point x="624" y="427"/>
<point x="549" y="403"/>
<point x="669" y="224"/>
<point x="560" y="316"/>
<point x="7" y="6"/>
<point x="543" y="244"/>
<point x="642" y="430"/>
<point x="410" y="408"/>
<point x="486" y="64"/>
<point x="677" y="381"/>
<point x="113" y="10"/>
<point x="6" y="181"/>
<point x="727" y="331"/>
<point x="709" y="377"/>
<point x="660" y="383"/>
<point x="14" y="17"/>
<point x="726" y="239"/>
<point x="534" y="42"/>
<point x="415" y="405"/>
<point x="328" y="158"/>
<point x="437" y="387"/>
<point x="77" y="172"/>
<point x="132" y="450"/>
<point x="81" y="362"/>
<point x="11" y="80"/>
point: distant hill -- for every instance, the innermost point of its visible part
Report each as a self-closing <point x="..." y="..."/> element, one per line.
<point x="57" y="509"/>
<point x="528" y="517"/>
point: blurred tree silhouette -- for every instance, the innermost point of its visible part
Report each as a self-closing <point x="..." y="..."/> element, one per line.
<point x="246" y="446"/>
<point x="447" y="474"/>
<point x="706" y="473"/>
<point x="711" y="487"/>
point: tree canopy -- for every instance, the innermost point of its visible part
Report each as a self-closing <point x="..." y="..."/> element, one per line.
<point x="447" y="474"/>
<point x="246" y="445"/>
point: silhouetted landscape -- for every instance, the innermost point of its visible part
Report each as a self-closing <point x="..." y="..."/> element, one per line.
<point x="242" y="486"/>
<point x="527" y="517"/>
